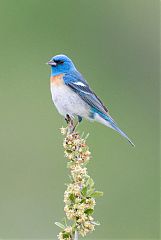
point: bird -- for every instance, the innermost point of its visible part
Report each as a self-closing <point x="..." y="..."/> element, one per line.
<point x="73" y="96"/>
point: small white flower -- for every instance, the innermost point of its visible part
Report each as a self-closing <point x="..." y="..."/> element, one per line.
<point x="63" y="130"/>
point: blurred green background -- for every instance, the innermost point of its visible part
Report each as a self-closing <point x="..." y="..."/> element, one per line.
<point x="115" y="44"/>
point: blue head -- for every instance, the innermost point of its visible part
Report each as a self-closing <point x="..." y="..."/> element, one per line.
<point x="61" y="64"/>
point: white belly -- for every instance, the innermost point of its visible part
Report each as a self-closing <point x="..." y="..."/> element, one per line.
<point x="68" y="102"/>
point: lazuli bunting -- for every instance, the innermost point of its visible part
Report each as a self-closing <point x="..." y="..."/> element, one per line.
<point x="73" y="96"/>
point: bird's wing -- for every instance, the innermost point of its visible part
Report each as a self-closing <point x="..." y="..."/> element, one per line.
<point x="79" y="85"/>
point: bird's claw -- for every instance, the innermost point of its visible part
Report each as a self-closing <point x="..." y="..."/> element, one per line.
<point x="71" y="127"/>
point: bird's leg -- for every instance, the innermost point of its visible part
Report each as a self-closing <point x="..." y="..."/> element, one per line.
<point x="67" y="119"/>
<point x="77" y="123"/>
<point x="70" y="124"/>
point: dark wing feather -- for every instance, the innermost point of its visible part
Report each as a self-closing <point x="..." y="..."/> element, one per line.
<point x="84" y="92"/>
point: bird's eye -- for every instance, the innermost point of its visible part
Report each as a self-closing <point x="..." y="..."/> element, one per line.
<point x="59" y="61"/>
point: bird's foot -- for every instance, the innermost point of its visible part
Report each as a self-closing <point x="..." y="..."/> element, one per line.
<point x="67" y="119"/>
<point x="70" y="124"/>
<point x="71" y="127"/>
<point x="75" y="126"/>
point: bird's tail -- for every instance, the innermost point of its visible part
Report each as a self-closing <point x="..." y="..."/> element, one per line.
<point x="108" y="121"/>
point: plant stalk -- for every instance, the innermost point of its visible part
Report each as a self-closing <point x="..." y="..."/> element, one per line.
<point x="76" y="235"/>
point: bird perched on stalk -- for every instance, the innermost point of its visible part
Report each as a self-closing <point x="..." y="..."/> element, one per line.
<point x="73" y="96"/>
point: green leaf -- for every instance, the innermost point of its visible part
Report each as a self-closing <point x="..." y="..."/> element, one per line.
<point x="96" y="223"/>
<point x="86" y="136"/>
<point x="64" y="220"/>
<point x="72" y="197"/>
<point x="89" y="211"/>
<point x="96" y="194"/>
<point x="60" y="225"/>
<point x="82" y="134"/>
<point x="84" y="191"/>
<point x="90" y="192"/>
<point x="66" y="235"/>
<point x="90" y="182"/>
<point x="69" y="151"/>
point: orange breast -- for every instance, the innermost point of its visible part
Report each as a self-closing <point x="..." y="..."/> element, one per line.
<point x="57" y="80"/>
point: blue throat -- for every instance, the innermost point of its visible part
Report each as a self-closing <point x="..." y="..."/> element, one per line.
<point x="60" y="70"/>
<point x="53" y="73"/>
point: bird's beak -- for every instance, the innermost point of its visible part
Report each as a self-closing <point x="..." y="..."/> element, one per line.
<point x="51" y="62"/>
